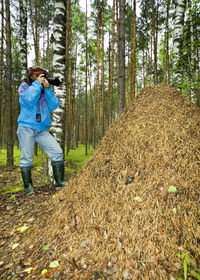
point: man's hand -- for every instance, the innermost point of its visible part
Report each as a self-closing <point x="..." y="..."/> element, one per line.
<point x="41" y="79"/>
<point x="46" y="83"/>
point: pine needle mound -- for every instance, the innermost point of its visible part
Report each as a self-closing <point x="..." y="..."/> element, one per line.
<point x="135" y="204"/>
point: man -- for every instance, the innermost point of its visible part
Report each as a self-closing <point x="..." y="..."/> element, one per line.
<point x="37" y="100"/>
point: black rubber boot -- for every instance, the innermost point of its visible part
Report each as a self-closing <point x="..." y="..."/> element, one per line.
<point x="58" y="173"/>
<point x="26" y="176"/>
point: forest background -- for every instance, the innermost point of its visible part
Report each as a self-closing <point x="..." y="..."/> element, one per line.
<point x="105" y="52"/>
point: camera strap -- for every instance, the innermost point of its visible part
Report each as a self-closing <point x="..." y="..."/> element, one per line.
<point x="40" y="104"/>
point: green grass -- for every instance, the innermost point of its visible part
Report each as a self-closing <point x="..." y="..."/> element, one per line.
<point x="16" y="157"/>
<point x="75" y="159"/>
<point x="78" y="156"/>
<point x="73" y="163"/>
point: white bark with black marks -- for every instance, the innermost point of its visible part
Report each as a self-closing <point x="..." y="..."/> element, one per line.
<point x="178" y="39"/>
<point x="59" y="42"/>
<point x="23" y="38"/>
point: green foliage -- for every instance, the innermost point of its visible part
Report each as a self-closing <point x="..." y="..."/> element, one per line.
<point x="189" y="266"/>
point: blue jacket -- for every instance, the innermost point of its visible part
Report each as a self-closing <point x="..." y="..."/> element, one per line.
<point x="35" y="100"/>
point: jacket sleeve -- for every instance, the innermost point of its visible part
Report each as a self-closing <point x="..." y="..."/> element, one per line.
<point x="51" y="99"/>
<point x="29" y="95"/>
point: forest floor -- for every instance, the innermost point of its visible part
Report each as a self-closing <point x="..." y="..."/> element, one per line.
<point x="17" y="208"/>
<point x="132" y="212"/>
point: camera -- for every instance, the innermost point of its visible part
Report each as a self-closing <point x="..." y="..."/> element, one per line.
<point x="53" y="81"/>
<point x="38" y="71"/>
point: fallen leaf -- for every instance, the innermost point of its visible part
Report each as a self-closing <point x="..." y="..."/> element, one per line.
<point x="174" y="210"/>
<point x="46" y="247"/>
<point x="23" y="228"/>
<point x="83" y="264"/>
<point x="172" y="189"/>
<point x="44" y="271"/>
<point x="138" y="198"/>
<point x="54" y="264"/>
<point x="28" y="270"/>
<point x="14" y="246"/>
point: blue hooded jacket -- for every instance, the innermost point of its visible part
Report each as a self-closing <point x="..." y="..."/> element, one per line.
<point x="36" y="100"/>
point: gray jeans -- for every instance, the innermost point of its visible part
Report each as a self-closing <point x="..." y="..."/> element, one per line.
<point x="28" y="136"/>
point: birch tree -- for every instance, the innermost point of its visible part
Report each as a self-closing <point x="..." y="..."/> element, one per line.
<point x="23" y="37"/>
<point x="180" y="6"/>
<point x="59" y="35"/>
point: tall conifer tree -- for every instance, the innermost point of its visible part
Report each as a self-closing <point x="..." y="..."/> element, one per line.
<point x="9" y="87"/>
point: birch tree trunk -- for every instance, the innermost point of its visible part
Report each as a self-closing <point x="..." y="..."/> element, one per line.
<point x="178" y="39"/>
<point x="23" y="38"/>
<point x="59" y="42"/>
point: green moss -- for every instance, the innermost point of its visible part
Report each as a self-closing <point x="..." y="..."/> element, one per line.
<point x="78" y="156"/>
<point x="11" y="189"/>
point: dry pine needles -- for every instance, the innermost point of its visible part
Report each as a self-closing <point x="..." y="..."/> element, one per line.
<point x="134" y="205"/>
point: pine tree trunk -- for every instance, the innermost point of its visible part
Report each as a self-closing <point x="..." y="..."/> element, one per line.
<point x="78" y="119"/>
<point x="1" y="70"/>
<point x="102" y="70"/>
<point x="133" y="54"/>
<point x="154" y="40"/>
<point x="121" y="73"/>
<point x="165" y="75"/>
<point x="36" y="35"/>
<point x="69" y="76"/>
<point x="111" y="67"/>
<point x="92" y="117"/>
<point x="98" y="81"/>
<point x="9" y="87"/>
<point x="86" y="81"/>
<point x="193" y="57"/>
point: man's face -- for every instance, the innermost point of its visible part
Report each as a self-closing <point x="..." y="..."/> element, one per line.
<point x="35" y="76"/>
